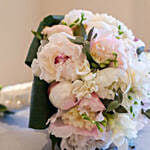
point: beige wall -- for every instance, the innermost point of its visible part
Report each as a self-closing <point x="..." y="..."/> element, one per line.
<point x="19" y="17"/>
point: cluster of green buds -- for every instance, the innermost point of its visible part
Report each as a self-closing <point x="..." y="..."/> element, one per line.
<point x="77" y="22"/>
<point x="97" y="123"/>
<point x="120" y="32"/>
<point x="1" y="87"/>
<point x="107" y="62"/>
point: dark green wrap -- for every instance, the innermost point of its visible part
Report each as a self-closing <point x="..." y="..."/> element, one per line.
<point x="41" y="109"/>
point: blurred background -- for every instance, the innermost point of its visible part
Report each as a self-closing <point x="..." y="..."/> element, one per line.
<point x="19" y="17"/>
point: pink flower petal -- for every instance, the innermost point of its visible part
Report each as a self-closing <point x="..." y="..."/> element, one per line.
<point x="93" y="103"/>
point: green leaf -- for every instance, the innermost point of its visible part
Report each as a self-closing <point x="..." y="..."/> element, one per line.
<point x="119" y="27"/>
<point x="79" y="40"/>
<point x="80" y="31"/>
<point x="121" y="109"/>
<point x="106" y="102"/>
<point x="98" y="126"/>
<point x="7" y="112"/>
<point x="90" y="34"/>
<point x="3" y="108"/>
<point x="135" y="103"/>
<point x="140" y="50"/>
<point x="97" y="123"/>
<point x="130" y="98"/>
<point x="119" y="96"/>
<point x="82" y="18"/>
<point x="63" y="23"/>
<point x="77" y="20"/>
<point x="83" y="31"/>
<point x="94" y="36"/>
<point x="142" y="103"/>
<point x="115" y="63"/>
<point x="131" y="109"/>
<point x="55" y="141"/>
<point x="108" y="115"/>
<point x="115" y="55"/>
<point x="1" y="87"/>
<point x="146" y="113"/>
<point x="121" y="32"/>
<point x="102" y="65"/>
<point x="112" y="106"/>
<point x="74" y="23"/>
<point x="41" y="109"/>
<point x="48" y="21"/>
<point x="38" y="35"/>
<point x="131" y="90"/>
<point x="107" y="62"/>
<point x="92" y="62"/>
<point x="117" y="37"/>
<point x="104" y="122"/>
<point x="85" y="116"/>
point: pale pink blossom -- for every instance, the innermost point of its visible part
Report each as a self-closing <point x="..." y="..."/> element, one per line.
<point x="104" y="47"/>
<point x="59" y="129"/>
<point x="61" y="95"/>
<point x="57" y="29"/>
<point x="93" y="103"/>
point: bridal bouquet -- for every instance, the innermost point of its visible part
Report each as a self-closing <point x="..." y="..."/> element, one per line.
<point x="91" y="81"/>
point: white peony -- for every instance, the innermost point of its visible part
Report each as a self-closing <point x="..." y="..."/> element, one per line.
<point x="122" y="126"/>
<point x="109" y="77"/>
<point x="58" y="59"/>
<point x="139" y="72"/>
<point x="108" y="23"/>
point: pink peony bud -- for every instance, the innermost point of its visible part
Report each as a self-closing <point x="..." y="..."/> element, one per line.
<point x="61" y="95"/>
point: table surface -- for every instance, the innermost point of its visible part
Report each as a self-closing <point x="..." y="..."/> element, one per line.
<point x="15" y="134"/>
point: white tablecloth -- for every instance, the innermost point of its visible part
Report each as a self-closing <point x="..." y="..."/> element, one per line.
<point x="15" y="135"/>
